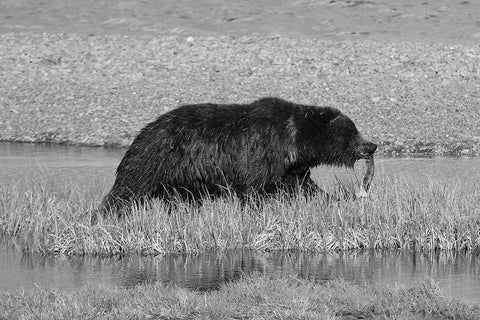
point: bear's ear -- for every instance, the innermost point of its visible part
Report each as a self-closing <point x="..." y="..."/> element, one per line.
<point x="327" y="114"/>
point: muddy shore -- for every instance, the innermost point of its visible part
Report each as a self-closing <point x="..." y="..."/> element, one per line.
<point x="100" y="90"/>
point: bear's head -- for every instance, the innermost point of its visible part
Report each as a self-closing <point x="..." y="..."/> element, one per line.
<point x="329" y="137"/>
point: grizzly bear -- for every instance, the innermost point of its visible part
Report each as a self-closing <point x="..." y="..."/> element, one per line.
<point x="208" y="150"/>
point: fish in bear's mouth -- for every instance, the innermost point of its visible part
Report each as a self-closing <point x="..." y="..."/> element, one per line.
<point x="369" y="173"/>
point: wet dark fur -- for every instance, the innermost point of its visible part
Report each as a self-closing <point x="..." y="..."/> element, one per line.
<point x="207" y="149"/>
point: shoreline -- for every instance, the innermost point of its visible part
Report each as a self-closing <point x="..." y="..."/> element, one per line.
<point x="418" y="151"/>
<point x="412" y="99"/>
<point x="451" y="151"/>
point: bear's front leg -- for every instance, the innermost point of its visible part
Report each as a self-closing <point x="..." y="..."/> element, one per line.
<point x="299" y="180"/>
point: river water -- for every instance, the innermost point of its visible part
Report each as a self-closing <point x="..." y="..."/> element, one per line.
<point x="458" y="275"/>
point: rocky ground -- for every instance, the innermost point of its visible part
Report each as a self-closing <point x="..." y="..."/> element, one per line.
<point x="100" y="90"/>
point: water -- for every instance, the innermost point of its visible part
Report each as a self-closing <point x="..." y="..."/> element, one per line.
<point x="401" y="20"/>
<point x="20" y="162"/>
<point x="458" y="275"/>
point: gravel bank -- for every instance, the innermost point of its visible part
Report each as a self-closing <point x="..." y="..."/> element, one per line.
<point x="411" y="98"/>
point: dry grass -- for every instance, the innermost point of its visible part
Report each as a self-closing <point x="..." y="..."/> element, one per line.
<point x="51" y="218"/>
<point x="250" y="298"/>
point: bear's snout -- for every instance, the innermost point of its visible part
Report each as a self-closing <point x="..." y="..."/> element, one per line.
<point x="364" y="149"/>
<point x="367" y="149"/>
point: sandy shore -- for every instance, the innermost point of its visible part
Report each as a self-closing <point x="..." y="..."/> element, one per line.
<point x="411" y="98"/>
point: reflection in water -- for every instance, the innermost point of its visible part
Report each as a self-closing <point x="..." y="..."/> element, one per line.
<point x="199" y="272"/>
<point x="458" y="274"/>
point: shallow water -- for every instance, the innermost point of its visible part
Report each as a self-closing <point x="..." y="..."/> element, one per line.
<point x="457" y="275"/>
<point x="401" y="20"/>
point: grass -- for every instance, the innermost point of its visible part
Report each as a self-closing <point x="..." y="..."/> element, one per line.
<point x="49" y="217"/>
<point x="256" y="297"/>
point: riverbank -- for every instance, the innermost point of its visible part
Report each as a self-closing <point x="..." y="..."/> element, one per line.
<point x="250" y="298"/>
<point x="100" y="90"/>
